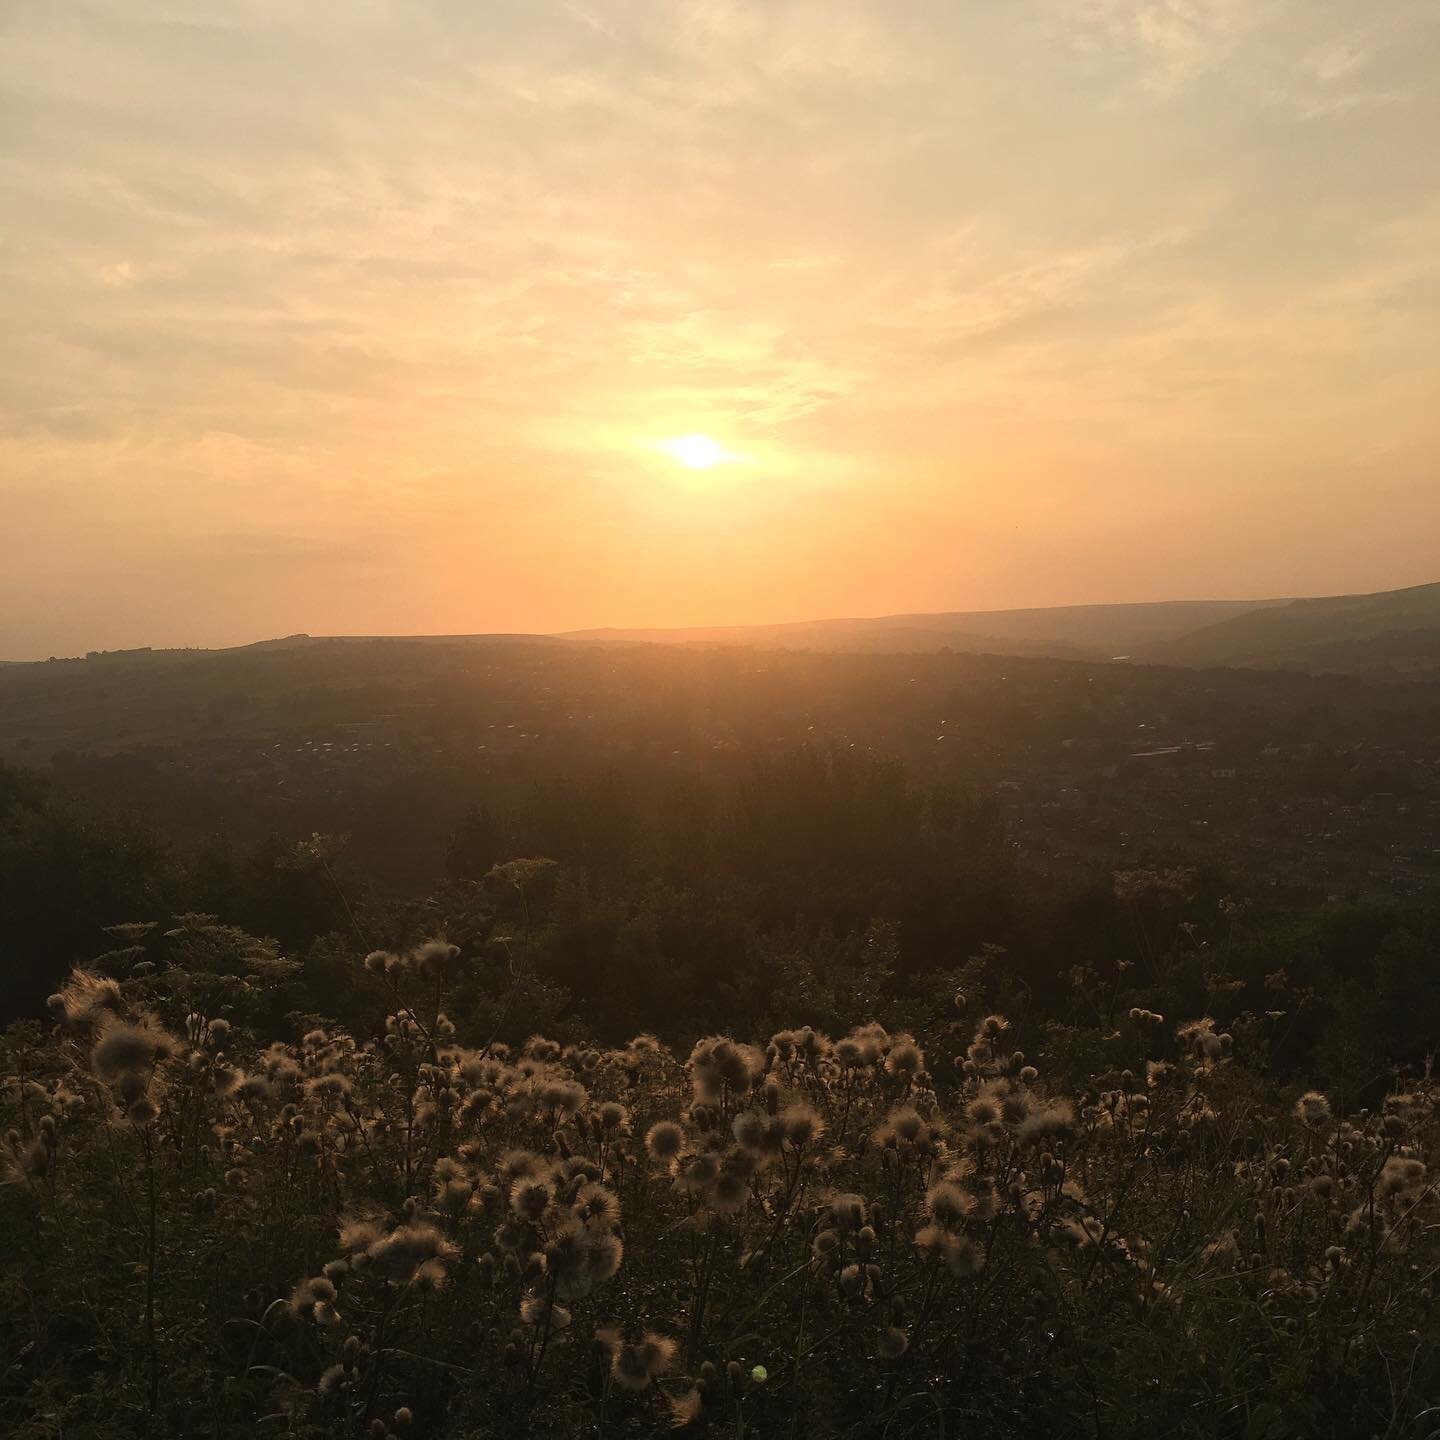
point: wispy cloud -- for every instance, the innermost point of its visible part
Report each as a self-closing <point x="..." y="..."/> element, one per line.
<point x="432" y="270"/>
<point x="1168" y="42"/>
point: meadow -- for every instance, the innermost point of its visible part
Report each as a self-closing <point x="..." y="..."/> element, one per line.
<point x="1124" y="1227"/>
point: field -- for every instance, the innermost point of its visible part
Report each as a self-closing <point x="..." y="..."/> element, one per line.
<point x="403" y="1233"/>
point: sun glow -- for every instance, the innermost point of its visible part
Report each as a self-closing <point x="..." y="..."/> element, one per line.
<point x="695" y="452"/>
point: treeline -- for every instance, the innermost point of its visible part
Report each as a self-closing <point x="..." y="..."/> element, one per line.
<point x="68" y="870"/>
<point x="825" y="887"/>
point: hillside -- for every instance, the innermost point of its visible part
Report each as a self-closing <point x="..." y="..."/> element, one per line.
<point x="1090" y="632"/>
<point x="1390" y="632"/>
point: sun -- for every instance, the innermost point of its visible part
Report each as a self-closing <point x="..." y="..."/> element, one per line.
<point x="695" y="452"/>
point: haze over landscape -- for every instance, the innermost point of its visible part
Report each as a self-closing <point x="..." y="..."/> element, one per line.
<point x="531" y="317"/>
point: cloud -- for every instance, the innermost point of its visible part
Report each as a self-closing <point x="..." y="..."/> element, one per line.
<point x="433" y="269"/>
<point x="1339" y="58"/>
<point x="1170" y="42"/>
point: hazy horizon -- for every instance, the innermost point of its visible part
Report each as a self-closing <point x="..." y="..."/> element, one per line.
<point x="435" y="318"/>
<point x="1262" y="601"/>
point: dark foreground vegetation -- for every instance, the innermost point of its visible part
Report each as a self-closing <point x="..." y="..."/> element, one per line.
<point x="976" y="1226"/>
<point x="949" y="1113"/>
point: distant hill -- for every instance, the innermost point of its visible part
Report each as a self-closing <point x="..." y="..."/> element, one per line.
<point x="1393" y="634"/>
<point x="1086" y="632"/>
<point x="143" y="654"/>
<point x="1390" y="633"/>
<point x="303" y="641"/>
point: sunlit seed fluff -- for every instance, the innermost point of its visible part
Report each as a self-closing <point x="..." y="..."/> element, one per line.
<point x="1400" y="1173"/>
<point x="88" y="1000"/>
<point x="401" y="1253"/>
<point x="907" y="1124"/>
<point x="333" y="1379"/>
<point x="332" y="1086"/>
<point x="1052" y="1121"/>
<point x="430" y="1277"/>
<point x="687" y="1408"/>
<point x="696" y="1173"/>
<point x="434" y="957"/>
<point x="613" y="1116"/>
<point x="359" y="1234"/>
<point x="515" y="1164"/>
<point x="847" y="1212"/>
<point x="891" y="1343"/>
<point x="598" y="1206"/>
<point x="604" y="1254"/>
<point x="539" y="1311"/>
<point x="25" y="1163"/>
<point x="529" y="1199"/>
<point x="983" y="1110"/>
<point x="906" y="1059"/>
<point x="664" y="1140"/>
<point x="1222" y="1252"/>
<point x="126" y="1049"/>
<point x="447" y="1168"/>
<point x="563" y="1097"/>
<point x="1313" y="1109"/>
<point x="728" y="1193"/>
<point x="948" y="1203"/>
<point x="309" y="1293"/>
<point x="749" y="1130"/>
<point x="931" y="1238"/>
<point x="637" y="1366"/>
<point x="142" y="1112"/>
<point x="802" y="1125"/>
<point x="990" y="1029"/>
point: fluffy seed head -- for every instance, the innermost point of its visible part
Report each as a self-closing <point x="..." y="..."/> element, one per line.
<point x="126" y="1049"/>
<point x="664" y="1140"/>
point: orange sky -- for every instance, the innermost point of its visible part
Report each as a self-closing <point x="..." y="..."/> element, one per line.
<point x="361" y="316"/>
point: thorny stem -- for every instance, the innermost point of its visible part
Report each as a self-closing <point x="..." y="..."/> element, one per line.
<point x="537" y="1356"/>
<point x="515" y="977"/>
<point x="799" y="1341"/>
<point x="379" y="1358"/>
<point x="335" y="884"/>
<point x="697" y="1318"/>
<point x="604" y="1405"/>
<point x="154" y="1361"/>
